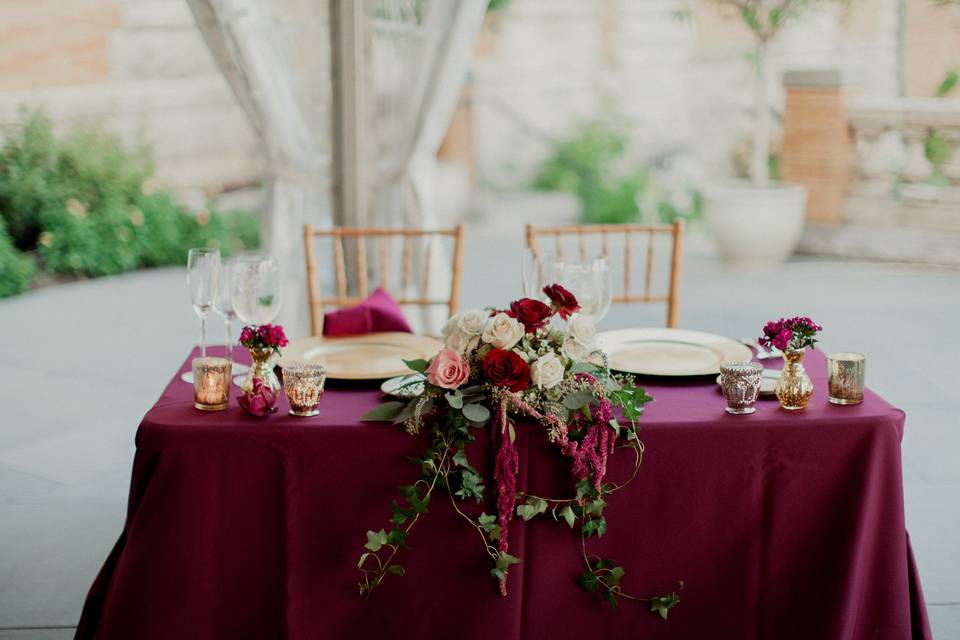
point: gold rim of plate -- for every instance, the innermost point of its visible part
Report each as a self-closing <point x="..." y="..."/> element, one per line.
<point x="670" y="352"/>
<point x="372" y="356"/>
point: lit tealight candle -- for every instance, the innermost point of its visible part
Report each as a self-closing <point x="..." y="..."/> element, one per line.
<point x="211" y="383"/>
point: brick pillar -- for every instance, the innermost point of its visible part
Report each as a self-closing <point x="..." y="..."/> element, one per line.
<point x="817" y="148"/>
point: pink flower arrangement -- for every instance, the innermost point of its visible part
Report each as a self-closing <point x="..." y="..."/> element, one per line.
<point x="792" y="333"/>
<point x="265" y="336"/>
<point x="448" y="370"/>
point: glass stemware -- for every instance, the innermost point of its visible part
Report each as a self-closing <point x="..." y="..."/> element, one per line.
<point x="224" y="307"/>
<point x="256" y="288"/>
<point x="590" y="283"/>
<point x="203" y="279"/>
<point x="538" y="271"/>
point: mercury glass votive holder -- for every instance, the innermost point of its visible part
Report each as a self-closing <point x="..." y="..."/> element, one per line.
<point x="211" y="383"/>
<point x="740" y="382"/>
<point x="846" y="372"/>
<point x="303" y="385"/>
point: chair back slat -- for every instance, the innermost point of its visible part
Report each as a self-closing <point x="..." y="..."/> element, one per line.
<point x="378" y="267"/>
<point x="580" y="235"/>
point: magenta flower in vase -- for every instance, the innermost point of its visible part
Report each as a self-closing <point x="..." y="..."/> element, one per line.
<point x="261" y="387"/>
<point x="792" y="336"/>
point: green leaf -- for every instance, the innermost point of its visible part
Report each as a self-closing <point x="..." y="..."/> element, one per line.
<point x="363" y="558"/>
<point x="476" y="412"/>
<point x="460" y="459"/>
<point x="385" y="412"/>
<point x="398" y="538"/>
<point x="577" y="399"/>
<point x="419" y="365"/>
<point x="614" y="576"/>
<point x="505" y="560"/>
<point x="610" y="598"/>
<point x="455" y="399"/>
<point x="498" y="574"/>
<point x="569" y="516"/>
<point x="487" y="521"/>
<point x="511" y="433"/>
<point x="532" y="508"/>
<point x="376" y="540"/>
<point x="595" y="507"/>
<point x="595" y="527"/>
<point x="471" y="485"/>
<point x="396" y="570"/>
<point x="949" y="82"/>
<point x="588" y="581"/>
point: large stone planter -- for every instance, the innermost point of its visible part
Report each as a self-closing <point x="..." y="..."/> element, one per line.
<point x="754" y="227"/>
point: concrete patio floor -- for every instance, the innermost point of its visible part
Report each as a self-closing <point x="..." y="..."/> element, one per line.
<point x="81" y="363"/>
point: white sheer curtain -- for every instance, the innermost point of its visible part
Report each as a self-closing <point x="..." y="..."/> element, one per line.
<point x="275" y="56"/>
<point x="264" y="49"/>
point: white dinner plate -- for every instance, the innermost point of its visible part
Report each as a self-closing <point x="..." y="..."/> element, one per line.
<point x="670" y="352"/>
<point x="372" y="356"/>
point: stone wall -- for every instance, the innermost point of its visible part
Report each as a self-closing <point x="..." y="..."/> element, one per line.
<point x="674" y="72"/>
<point x="140" y="67"/>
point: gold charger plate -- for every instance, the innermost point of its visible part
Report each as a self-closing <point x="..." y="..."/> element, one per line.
<point x="670" y="352"/>
<point x="372" y="356"/>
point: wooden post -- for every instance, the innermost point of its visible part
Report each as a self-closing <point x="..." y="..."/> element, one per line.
<point x="352" y="152"/>
<point x="676" y="260"/>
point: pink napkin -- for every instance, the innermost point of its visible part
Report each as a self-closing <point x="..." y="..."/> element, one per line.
<point x="379" y="312"/>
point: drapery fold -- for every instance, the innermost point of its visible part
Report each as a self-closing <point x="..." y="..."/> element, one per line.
<point x="419" y="64"/>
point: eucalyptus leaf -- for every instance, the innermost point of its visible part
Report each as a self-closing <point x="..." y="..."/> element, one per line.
<point x="576" y="399"/>
<point x="476" y="413"/>
<point x="455" y="399"/>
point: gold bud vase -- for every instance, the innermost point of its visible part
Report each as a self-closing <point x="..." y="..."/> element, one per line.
<point x="261" y="368"/>
<point x="794" y="387"/>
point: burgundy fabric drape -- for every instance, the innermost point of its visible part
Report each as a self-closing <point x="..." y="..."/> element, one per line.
<point x="781" y="525"/>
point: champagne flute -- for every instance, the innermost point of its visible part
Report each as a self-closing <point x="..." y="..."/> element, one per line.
<point x="256" y="288"/>
<point x="203" y="279"/>
<point x="224" y="307"/>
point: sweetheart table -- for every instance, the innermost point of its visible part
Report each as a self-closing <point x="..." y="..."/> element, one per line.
<point x="780" y="525"/>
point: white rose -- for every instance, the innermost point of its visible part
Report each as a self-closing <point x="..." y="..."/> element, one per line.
<point x="581" y="329"/>
<point x="547" y="371"/>
<point x="471" y="322"/>
<point x="461" y="342"/>
<point x="575" y="350"/>
<point x="450" y="326"/>
<point x="502" y="331"/>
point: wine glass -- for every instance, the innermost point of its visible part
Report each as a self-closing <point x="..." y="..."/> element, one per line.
<point x="224" y="306"/>
<point x="256" y="288"/>
<point x="539" y="270"/>
<point x="590" y="283"/>
<point x="203" y="279"/>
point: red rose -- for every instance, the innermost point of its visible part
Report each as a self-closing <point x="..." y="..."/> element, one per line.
<point x="563" y="301"/>
<point x="506" y="369"/>
<point x="533" y="314"/>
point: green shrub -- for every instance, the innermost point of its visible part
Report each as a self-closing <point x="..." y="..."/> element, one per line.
<point x="84" y="202"/>
<point x="16" y="269"/>
<point x="27" y="160"/>
<point x="589" y="166"/>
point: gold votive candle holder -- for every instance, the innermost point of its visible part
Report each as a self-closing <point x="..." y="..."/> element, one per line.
<point x="303" y="385"/>
<point x="211" y="383"/>
<point x="846" y="372"/>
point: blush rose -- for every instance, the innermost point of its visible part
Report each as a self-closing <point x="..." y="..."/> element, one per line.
<point x="448" y="370"/>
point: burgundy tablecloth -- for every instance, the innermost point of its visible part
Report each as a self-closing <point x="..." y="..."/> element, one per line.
<point x="781" y="525"/>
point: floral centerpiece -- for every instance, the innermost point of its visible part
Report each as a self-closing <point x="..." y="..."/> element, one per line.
<point x="496" y="366"/>
<point x="792" y="336"/>
<point x="261" y="388"/>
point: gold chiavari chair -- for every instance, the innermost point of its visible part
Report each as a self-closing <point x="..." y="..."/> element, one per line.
<point x="368" y="242"/>
<point x="629" y="233"/>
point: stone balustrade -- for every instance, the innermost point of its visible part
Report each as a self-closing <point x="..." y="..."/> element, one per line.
<point x="908" y="163"/>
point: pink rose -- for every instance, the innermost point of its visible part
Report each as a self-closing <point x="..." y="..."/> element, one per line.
<point x="448" y="370"/>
